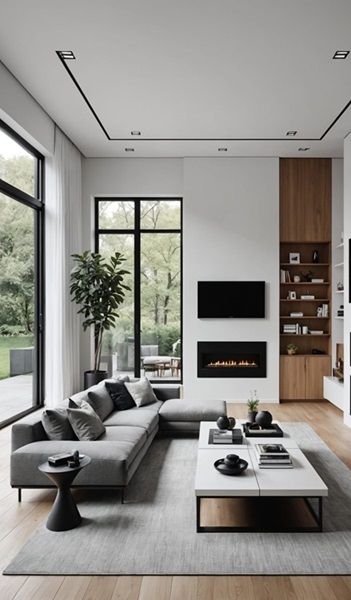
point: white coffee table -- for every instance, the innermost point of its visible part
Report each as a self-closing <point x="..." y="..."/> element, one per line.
<point x="302" y="481"/>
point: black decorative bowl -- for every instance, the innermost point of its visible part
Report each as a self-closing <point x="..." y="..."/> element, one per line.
<point x="239" y="467"/>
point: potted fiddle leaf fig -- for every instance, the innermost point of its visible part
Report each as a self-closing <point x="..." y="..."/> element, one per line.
<point x="97" y="287"/>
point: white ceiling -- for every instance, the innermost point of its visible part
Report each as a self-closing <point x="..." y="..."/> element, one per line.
<point x="191" y="75"/>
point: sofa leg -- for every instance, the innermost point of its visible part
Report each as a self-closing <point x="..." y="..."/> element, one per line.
<point x="19" y="495"/>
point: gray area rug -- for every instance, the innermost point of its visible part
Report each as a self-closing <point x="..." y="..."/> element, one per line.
<point x="154" y="532"/>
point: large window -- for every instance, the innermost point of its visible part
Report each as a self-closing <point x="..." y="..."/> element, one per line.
<point x="147" y="339"/>
<point x="21" y="297"/>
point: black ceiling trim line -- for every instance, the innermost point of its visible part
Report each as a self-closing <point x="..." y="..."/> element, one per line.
<point x="112" y="139"/>
<point x="62" y="60"/>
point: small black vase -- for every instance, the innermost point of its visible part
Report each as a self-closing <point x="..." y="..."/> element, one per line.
<point x="223" y="422"/>
<point x="264" y="418"/>
<point x="315" y="256"/>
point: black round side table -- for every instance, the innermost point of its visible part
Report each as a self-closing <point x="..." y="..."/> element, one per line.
<point x="64" y="514"/>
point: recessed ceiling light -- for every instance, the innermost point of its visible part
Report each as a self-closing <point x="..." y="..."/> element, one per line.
<point x="222" y="149"/>
<point x="135" y="133"/>
<point x="341" y="54"/>
<point x="66" y="54"/>
<point x="129" y="149"/>
<point x="291" y="133"/>
<point x="304" y="149"/>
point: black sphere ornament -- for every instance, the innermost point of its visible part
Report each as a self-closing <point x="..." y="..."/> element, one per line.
<point x="231" y="460"/>
<point x="264" y="418"/>
<point x="223" y="422"/>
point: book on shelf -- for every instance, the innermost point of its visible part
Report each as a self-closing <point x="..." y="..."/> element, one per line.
<point x="307" y="297"/>
<point x="296" y="314"/>
<point x="317" y="280"/>
<point x="284" y="276"/>
<point x="316" y="331"/>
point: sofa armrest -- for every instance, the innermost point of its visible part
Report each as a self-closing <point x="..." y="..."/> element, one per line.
<point x="27" y="431"/>
<point x="166" y="392"/>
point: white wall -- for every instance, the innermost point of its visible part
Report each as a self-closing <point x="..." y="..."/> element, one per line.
<point x="19" y="110"/>
<point x="347" y="305"/>
<point x="231" y="232"/>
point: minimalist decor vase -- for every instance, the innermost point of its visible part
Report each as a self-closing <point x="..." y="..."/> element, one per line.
<point x="264" y="419"/>
<point x="223" y="422"/>
<point x="93" y="378"/>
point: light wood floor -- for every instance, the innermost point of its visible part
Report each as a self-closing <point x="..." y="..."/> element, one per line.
<point x="19" y="521"/>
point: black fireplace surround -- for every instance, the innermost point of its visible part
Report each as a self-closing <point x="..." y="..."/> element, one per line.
<point x="231" y="359"/>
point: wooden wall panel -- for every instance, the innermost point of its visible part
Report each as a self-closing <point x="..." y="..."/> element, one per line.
<point x="305" y="199"/>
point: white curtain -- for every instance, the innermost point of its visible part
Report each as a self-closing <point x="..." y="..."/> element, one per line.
<point x="63" y="208"/>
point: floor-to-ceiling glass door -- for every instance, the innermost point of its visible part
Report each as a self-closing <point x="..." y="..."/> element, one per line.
<point x="146" y="340"/>
<point x="21" y="297"/>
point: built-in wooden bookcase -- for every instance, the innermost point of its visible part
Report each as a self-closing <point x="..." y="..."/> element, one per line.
<point x="305" y="253"/>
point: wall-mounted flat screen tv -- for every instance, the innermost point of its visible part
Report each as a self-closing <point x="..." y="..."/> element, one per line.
<point x="231" y="299"/>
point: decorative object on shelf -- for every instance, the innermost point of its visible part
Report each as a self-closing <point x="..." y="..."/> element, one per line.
<point x="232" y="464"/>
<point x="297" y="278"/>
<point x="232" y="422"/>
<point x="97" y="286"/>
<point x="306" y="277"/>
<point x="294" y="258"/>
<point x="291" y="349"/>
<point x="340" y="286"/>
<point x="223" y="422"/>
<point x="291" y="295"/>
<point x="318" y="351"/>
<point x="305" y="329"/>
<point x="338" y="371"/>
<point x="340" y="312"/>
<point x="264" y="419"/>
<point x="252" y="405"/>
<point x="315" y="256"/>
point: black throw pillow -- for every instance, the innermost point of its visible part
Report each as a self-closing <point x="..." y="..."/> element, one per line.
<point x="120" y="395"/>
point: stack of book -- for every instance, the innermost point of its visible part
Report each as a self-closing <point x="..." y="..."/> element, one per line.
<point x="292" y="328"/>
<point x="273" y="456"/>
<point x="227" y="436"/>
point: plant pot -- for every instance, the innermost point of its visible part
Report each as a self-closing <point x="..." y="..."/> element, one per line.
<point x="251" y="416"/>
<point x="291" y="352"/>
<point x="93" y="378"/>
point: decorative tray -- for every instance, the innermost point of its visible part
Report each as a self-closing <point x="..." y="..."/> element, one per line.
<point x="273" y="431"/>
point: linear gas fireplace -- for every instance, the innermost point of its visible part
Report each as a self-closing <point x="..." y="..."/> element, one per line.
<point x="231" y="359"/>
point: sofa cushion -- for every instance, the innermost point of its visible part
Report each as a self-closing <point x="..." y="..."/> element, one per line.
<point x="135" y="417"/>
<point x="101" y="401"/>
<point x="141" y="392"/>
<point x="86" y="424"/>
<point x="192" y="410"/>
<point x="120" y="395"/>
<point x="56" y="424"/>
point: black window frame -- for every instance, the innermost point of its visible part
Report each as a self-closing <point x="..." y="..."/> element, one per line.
<point x="137" y="231"/>
<point x="37" y="203"/>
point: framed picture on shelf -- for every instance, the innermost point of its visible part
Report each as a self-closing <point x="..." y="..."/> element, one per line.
<point x="294" y="258"/>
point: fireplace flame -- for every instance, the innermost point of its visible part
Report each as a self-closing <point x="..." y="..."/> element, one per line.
<point x="232" y="363"/>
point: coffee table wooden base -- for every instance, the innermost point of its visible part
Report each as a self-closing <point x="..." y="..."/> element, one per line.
<point x="259" y="514"/>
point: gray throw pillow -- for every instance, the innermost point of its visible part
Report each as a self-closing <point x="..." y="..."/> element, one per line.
<point x="56" y="424"/>
<point x="86" y="424"/>
<point x="141" y="392"/>
<point x="101" y="402"/>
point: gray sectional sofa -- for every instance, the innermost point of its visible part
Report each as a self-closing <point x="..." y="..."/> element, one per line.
<point x="118" y="451"/>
